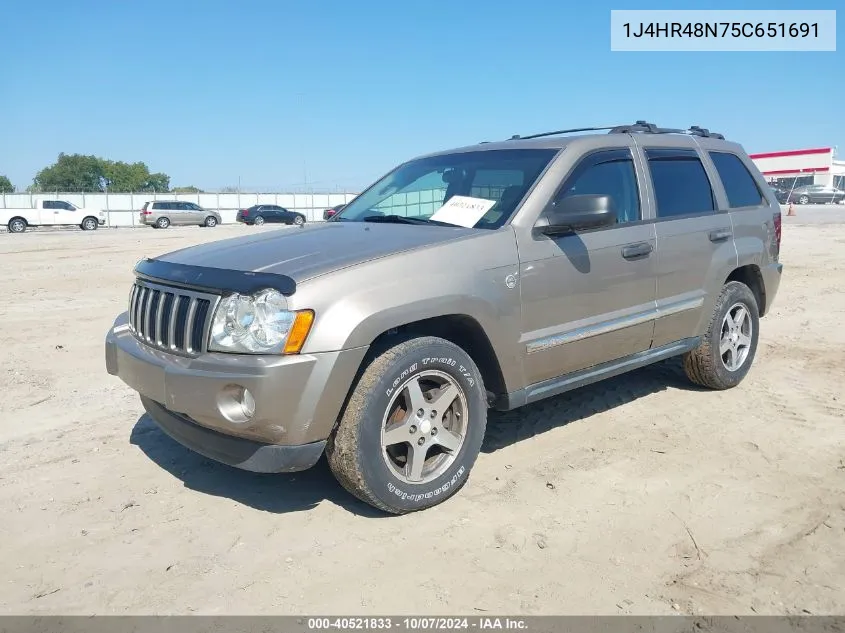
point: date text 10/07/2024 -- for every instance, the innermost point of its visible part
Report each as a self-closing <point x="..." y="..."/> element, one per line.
<point x="417" y="623"/>
<point x="746" y="30"/>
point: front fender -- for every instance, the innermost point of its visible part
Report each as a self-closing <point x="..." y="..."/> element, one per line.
<point x="354" y="306"/>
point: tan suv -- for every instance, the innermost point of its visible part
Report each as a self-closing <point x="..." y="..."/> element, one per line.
<point x="490" y="276"/>
<point x="160" y="214"/>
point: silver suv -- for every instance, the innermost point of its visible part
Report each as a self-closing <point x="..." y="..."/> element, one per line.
<point x="489" y="276"/>
<point x="160" y="214"/>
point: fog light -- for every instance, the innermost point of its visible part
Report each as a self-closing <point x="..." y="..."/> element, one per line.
<point x="236" y="404"/>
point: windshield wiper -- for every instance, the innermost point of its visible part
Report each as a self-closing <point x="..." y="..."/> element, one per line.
<point x="401" y="219"/>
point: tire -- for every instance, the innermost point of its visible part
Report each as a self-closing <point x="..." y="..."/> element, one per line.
<point x="162" y="223"/>
<point x="378" y="475"/>
<point x="210" y="221"/>
<point x="299" y="220"/>
<point x="89" y="224"/>
<point x="804" y="199"/>
<point x="258" y="221"/>
<point x="706" y="365"/>
<point x="17" y="225"/>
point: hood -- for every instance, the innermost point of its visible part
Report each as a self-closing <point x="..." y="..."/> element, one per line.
<point x="314" y="250"/>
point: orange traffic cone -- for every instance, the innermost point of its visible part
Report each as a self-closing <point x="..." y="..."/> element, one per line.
<point x="791" y="209"/>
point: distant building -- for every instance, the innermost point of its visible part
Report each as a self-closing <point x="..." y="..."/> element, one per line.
<point x="796" y="168"/>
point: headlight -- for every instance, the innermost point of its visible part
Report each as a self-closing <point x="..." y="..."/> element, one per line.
<point x="258" y="324"/>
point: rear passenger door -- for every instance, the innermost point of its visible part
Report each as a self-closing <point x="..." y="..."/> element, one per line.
<point x="695" y="247"/>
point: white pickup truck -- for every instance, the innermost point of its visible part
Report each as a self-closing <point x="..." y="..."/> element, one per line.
<point x="52" y="213"/>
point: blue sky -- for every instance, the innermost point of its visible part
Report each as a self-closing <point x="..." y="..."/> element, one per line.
<point x="274" y="92"/>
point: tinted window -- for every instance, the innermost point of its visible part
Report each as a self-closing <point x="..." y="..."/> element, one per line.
<point x="681" y="186"/>
<point x="738" y="182"/>
<point x="611" y="173"/>
<point x="48" y="204"/>
<point x="67" y="206"/>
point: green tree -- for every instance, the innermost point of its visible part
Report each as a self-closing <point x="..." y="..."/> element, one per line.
<point x="122" y="176"/>
<point x="188" y="189"/>
<point x="77" y="172"/>
<point x="6" y="185"/>
<point x="71" y="172"/>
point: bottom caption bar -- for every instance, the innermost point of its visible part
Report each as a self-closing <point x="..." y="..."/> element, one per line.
<point x="532" y="624"/>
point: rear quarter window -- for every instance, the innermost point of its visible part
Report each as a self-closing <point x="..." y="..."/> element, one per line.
<point x="739" y="184"/>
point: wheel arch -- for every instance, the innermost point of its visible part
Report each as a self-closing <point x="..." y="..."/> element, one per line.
<point x="461" y="329"/>
<point x="751" y="276"/>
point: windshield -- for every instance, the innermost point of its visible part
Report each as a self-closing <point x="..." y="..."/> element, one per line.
<point x="479" y="189"/>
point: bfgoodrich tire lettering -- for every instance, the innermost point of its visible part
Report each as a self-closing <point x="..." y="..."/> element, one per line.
<point x="707" y="365"/>
<point x="355" y="452"/>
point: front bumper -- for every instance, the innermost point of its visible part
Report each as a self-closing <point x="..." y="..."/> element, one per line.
<point x="241" y="453"/>
<point x="297" y="398"/>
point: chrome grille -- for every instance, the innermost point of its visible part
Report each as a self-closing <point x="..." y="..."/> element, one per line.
<point x="171" y="319"/>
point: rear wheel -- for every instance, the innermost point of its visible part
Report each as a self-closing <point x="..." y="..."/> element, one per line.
<point x="17" y="225"/>
<point x="804" y="199"/>
<point x="727" y="349"/>
<point x="259" y="221"/>
<point x="89" y="224"/>
<point x="211" y="221"/>
<point x="412" y="428"/>
<point x="162" y="223"/>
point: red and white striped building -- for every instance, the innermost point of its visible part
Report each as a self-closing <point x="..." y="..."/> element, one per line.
<point x="795" y="168"/>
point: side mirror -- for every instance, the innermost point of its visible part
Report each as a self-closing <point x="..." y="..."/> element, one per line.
<point x="573" y="213"/>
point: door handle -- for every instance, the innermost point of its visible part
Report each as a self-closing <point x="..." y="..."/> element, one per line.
<point x="635" y="251"/>
<point x="720" y="235"/>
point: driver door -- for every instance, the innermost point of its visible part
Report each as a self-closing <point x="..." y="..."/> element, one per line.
<point x="589" y="297"/>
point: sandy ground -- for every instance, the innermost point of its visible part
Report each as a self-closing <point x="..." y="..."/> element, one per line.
<point x="641" y="495"/>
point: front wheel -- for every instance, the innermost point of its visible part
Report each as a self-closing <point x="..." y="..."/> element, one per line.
<point x="299" y="220"/>
<point x="727" y="349"/>
<point x="89" y="224"/>
<point x="413" y="426"/>
<point x="210" y="221"/>
<point x="804" y="200"/>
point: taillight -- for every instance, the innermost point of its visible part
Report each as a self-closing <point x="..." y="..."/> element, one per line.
<point x="244" y="212"/>
<point x="778" y="228"/>
<point x="144" y="212"/>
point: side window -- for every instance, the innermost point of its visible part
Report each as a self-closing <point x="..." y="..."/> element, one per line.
<point x="739" y="184"/>
<point x="609" y="173"/>
<point x="48" y="204"/>
<point x="67" y="206"/>
<point x="681" y="186"/>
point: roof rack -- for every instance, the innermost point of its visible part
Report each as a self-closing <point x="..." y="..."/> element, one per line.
<point x="651" y="128"/>
<point x="642" y="127"/>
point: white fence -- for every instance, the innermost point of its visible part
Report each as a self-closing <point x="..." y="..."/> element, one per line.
<point x="122" y="209"/>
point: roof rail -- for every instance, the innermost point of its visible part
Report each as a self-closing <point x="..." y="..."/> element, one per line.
<point x="640" y="126"/>
<point x="517" y="137"/>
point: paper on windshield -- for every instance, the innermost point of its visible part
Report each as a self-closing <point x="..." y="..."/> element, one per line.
<point x="463" y="210"/>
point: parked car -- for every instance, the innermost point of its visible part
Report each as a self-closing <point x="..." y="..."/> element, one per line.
<point x="260" y="213"/>
<point x="382" y="340"/>
<point x="328" y="213"/>
<point x="51" y="213"/>
<point x="781" y="194"/>
<point x="817" y="194"/>
<point x="160" y="214"/>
